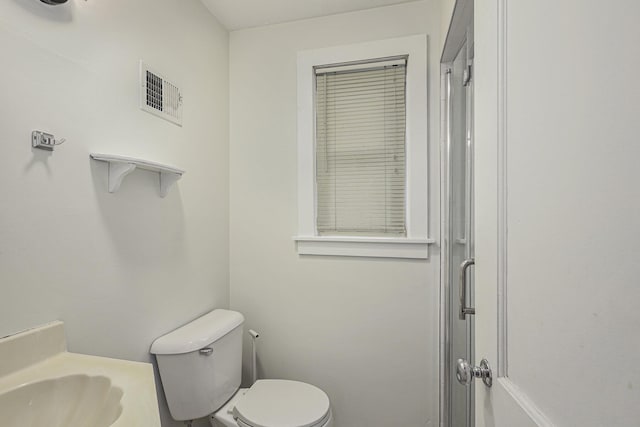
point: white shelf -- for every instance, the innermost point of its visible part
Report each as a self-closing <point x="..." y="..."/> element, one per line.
<point x="121" y="166"/>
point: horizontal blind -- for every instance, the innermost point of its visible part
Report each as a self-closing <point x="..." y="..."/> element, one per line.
<point x="360" y="149"/>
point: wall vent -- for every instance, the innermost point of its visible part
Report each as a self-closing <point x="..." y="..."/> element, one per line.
<point x="159" y="96"/>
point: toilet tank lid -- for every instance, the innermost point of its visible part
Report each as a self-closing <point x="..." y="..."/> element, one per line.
<point x="199" y="333"/>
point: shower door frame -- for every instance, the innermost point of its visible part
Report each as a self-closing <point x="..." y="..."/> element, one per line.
<point x="460" y="31"/>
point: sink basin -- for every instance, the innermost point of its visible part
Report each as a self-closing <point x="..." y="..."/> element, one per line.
<point x="67" y="401"/>
<point x="44" y="385"/>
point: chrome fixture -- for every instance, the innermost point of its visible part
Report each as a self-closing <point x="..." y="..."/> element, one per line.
<point x="465" y="373"/>
<point x="206" y="351"/>
<point x="45" y="141"/>
<point x="53" y="2"/>
<point x="464" y="310"/>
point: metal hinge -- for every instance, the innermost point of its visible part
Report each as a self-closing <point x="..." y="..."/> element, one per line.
<point x="466" y="76"/>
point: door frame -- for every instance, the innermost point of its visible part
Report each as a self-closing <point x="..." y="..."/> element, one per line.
<point x="456" y="37"/>
<point x="490" y="133"/>
<point x="445" y="337"/>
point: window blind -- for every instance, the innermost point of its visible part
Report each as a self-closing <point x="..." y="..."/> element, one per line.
<point x="360" y="149"/>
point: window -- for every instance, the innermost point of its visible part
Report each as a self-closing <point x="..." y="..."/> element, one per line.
<point x="362" y="149"/>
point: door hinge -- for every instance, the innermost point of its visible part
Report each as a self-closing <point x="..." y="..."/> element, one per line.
<point x="466" y="76"/>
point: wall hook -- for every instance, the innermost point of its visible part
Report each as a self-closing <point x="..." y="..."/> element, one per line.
<point x="45" y="141"/>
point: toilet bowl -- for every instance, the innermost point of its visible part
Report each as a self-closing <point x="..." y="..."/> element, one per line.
<point x="276" y="403"/>
<point x="200" y="367"/>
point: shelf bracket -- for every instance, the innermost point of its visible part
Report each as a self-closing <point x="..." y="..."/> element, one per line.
<point x="117" y="172"/>
<point x="167" y="179"/>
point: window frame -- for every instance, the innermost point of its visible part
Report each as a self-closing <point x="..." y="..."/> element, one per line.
<point x="415" y="244"/>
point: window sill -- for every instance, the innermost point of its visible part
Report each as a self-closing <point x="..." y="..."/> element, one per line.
<point x="379" y="247"/>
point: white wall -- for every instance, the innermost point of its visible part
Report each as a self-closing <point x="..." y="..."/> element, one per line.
<point x="120" y="269"/>
<point x="364" y="330"/>
<point x="446" y="13"/>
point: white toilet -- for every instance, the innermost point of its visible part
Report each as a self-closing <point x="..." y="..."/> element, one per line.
<point x="200" y="366"/>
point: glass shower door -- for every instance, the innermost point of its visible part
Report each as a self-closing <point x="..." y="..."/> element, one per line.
<point x="460" y="232"/>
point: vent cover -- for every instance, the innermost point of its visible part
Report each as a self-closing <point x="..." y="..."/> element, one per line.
<point x="159" y="96"/>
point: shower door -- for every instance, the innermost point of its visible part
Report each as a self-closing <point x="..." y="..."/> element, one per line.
<point x="459" y="232"/>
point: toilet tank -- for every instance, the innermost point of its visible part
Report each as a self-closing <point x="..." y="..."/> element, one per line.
<point x="200" y="364"/>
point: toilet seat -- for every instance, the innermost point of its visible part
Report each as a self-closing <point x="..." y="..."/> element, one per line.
<point x="282" y="403"/>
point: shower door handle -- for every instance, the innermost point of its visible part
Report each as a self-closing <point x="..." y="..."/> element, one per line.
<point x="464" y="310"/>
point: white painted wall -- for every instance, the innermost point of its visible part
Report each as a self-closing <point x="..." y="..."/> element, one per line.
<point x="119" y="269"/>
<point x="446" y="13"/>
<point x="364" y="330"/>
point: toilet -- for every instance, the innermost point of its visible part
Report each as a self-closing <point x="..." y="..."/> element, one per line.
<point x="200" y="367"/>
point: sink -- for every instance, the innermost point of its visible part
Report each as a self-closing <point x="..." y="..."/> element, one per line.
<point x="44" y="385"/>
<point x="68" y="401"/>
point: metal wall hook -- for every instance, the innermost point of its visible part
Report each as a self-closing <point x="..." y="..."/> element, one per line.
<point x="45" y="141"/>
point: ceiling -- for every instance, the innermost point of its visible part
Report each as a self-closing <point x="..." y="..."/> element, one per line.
<point x="239" y="14"/>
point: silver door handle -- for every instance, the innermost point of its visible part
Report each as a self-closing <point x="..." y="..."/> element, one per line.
<point x="464" y="310"/>
<point x="465" y="373"/>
